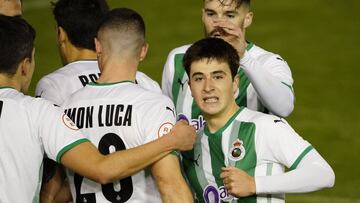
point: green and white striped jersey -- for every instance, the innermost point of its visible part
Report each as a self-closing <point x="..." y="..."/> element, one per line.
<point x="175" y="82"/>
<point x="260" y="144"/>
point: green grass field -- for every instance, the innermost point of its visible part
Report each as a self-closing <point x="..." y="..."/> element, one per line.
<point x="318" y="38"/>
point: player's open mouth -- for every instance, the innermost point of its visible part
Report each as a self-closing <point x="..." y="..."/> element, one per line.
<point x="210" y="99"/>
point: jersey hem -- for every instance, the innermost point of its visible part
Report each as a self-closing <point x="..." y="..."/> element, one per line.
<point x="68" y="147"/>
<point x="302" y="155"/>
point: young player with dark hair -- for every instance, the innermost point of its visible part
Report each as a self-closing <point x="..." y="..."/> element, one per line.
<point x="240" y="155"/>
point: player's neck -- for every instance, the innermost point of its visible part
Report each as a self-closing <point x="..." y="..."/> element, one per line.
<point x="215" y="122"/>
<point x="77" y="54"/>
<point x="6" y="81"/>
<point x="117" y="70"/>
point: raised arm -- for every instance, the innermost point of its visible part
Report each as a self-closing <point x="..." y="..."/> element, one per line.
<point x="170" y="181"/>
<point x="87" y="161"/>
<point x="273" y="88"/>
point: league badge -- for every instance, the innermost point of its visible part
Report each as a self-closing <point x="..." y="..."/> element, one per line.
<point x="237" y="151"/>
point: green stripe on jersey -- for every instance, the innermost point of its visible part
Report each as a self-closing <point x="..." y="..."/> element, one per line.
<point x="68" y="147"/>
<point x="244" y="82"/>
<point x="301" y="156"/>
<point x="246" y="134"/>
<point x="178" y="76"/>
<point x="193" y="166"/>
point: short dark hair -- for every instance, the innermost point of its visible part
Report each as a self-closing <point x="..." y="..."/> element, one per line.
<point x="212" y="49"/>
<point x="124" y="18"/>
<point x="238" y="2"/>
<point x="80" y="20"/>
<point x="17" y="43"/>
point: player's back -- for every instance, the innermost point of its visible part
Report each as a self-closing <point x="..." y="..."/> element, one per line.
<point x="116" y="117"/>
<point x="20" y="151"/>
<point x="60" y="84"/>
<point x="28" y="126"/>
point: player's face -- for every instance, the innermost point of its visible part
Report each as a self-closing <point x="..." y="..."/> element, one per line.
<point x="10" y="7"/>
<point x="215" y="12"/>
<point x="212" y="87"/>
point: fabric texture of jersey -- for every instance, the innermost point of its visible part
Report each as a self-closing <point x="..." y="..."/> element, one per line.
<point x="59" y="85"/>
<point x="260" y="144"/>
<point x="29" y="126"/>
<point x="175" y="82"/>
<point x="119" y="116"/>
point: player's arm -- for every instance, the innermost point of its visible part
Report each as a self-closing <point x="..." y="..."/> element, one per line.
<point x="170" y="181"/>
<point x="308" y="171"/>
<point x="167" y="75"/>
<point x="87" y="161"/>
<point x="271" y="80"/>
<point x="51" y="187"/>
<point x="267" y="84"/>
<point x="312" y="174"/>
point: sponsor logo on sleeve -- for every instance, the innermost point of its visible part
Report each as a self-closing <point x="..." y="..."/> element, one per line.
<point x="164" y="129"/>
<point x="69" y="123"/>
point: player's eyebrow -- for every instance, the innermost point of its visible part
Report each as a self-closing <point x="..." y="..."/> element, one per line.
<point x="218" y="72"/>
<point x="209" y="10"/>
<point x="197" y="74"/>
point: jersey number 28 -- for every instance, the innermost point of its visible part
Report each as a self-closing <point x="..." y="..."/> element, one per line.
<point x="107" y="141"/>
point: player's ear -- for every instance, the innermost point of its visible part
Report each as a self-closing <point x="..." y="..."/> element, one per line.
<point x="236" y="83"/>
<point x="144" y="50"/>
<point x="62" y="36"/>
<point x="248" y="19"/>
<point x="98" y="47"/>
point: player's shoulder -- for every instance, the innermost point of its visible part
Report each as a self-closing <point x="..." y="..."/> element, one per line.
<point x="263" y="55"/>
<point x="72" y="68"/>
<point x="146" y="82"/>
<point x="179" y="50"/>
<point x="28" y="103"/>
<point x="260" y="119"/>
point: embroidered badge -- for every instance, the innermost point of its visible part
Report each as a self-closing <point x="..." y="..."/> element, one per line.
<point x="237" y="151"/>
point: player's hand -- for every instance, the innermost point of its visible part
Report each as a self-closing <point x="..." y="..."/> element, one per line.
<point x="183" y="135"/>
<point x="232" y="34"/>
<point x="238" y="182"/>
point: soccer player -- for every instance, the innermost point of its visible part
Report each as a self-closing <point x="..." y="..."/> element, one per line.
<point x="119" y="114"/>
<point x="10" y="7"/>
<point x="31" y="126"/>
<point x="77" y="23"/>
<point x="240" y="154"/>
<point x="265" y="78"/>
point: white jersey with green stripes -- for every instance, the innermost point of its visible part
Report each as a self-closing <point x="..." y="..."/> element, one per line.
<point x="119" y="116"/>
<point x="28" y="128"/>
<point x="175" y="82"/>
<point x="258" y="143"/>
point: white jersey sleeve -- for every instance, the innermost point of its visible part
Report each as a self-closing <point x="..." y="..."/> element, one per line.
<point x="147" y="83"/>
<point x="158" y="120"/>
<point x="57" y="132"/>
<point x="270" y="75"/>
<point x="49" y="90"/>
<point x="308" y="171"/>
<point x="168" y="75"/>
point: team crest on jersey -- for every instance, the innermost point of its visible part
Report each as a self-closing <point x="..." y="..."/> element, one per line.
<point x="164" y="129"/>
<point x="69" y="123"/>
<point x="237" y="151"/>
